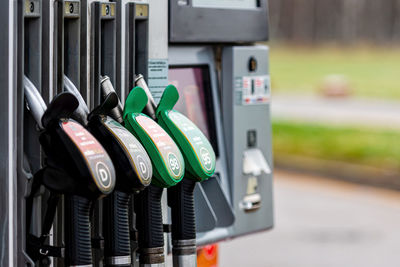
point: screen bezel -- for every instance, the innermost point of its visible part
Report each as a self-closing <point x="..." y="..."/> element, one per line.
<point x="207" y="87"/>
<point x="189" y="24"/>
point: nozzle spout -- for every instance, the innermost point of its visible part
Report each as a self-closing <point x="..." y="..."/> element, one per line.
<point x="151" y="107"/>
<point x="107" y="88"/>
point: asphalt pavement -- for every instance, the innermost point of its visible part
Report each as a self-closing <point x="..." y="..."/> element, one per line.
<point x="323" y="223"/>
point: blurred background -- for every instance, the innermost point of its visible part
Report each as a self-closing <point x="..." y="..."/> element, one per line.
<point x="335" y="70"/>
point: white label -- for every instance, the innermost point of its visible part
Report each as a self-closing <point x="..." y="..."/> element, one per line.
<point x="157" y="77"/>
<point x="251" y="90"/>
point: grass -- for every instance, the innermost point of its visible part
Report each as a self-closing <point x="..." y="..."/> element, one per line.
<point x="371" y="72"/>
<point x="372" y="147"/>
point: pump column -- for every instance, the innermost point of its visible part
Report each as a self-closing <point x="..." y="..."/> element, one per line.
<point x="29" y="156"/>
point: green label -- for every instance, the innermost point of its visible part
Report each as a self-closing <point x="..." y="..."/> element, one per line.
<point x="165" y="146"/>
<point x="199" y="143"/>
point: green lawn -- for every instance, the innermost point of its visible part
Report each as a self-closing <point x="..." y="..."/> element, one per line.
<point x="371" y="72"/>
<point x="377" y="148"/>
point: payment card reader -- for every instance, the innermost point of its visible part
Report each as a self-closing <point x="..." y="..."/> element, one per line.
<point x="246" y="121"/>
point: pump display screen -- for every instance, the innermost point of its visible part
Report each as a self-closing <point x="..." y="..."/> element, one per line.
<point x="195" y="98"/>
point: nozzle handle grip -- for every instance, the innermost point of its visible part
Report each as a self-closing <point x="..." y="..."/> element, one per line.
<point x="116" y="228"/>
<point x="149" y="221"/>
<point x="181" y="202"/>
<point x="78" y="247"/>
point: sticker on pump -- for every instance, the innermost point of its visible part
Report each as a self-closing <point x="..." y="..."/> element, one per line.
<point x="166" y="146"/>
<point x="199" y="143"/>
<point x="135" y="151"/>
<point x="97" y="159"/>
<point x="251" y="90"/>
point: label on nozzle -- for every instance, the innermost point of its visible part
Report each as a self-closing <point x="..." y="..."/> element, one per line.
<point x="198" y="142"/>
<point x="97" y="159"/>
<point x="169" y="152"/>
<point x="137" y="155"/>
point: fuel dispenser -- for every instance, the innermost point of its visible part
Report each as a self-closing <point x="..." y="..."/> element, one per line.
<point x="72" y="63"/>
<point x="224" y="81"/>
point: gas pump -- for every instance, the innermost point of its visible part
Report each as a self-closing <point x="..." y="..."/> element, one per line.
<point x="77" y="166"/>
<point x="200" y="165"/>
<point x="93" y="49"/>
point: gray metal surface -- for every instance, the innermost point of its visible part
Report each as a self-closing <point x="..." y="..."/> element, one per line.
<point x="118" y="260"/>
<point x="184" y="260"/>
<point x="239" y="119"/>
<point x="203" y="209"/>
<point x="191" y="24"/>
<point x="9" y="242"/>
<point x="153" y="265"/>
<point x="29" y="61"/>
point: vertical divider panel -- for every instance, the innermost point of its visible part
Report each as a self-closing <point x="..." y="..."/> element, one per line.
<point x="29" y="57"/>
<point x="103" y="46"/>
<point x="137" y="43"/>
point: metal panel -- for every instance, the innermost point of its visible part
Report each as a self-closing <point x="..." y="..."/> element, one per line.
<point x="190" y="24"/>
<point x="29" y="58"/>
<point x="251" y="192"/>
<point x="9" y="241"/>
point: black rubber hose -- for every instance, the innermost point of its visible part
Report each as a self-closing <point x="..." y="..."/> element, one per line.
<point x="149" y="221"/>
<point x="181" y="202"/>
<point x="116" y="226"/>
<point x="78" y="249"/>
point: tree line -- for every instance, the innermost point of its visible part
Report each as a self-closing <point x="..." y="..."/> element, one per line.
<point x="343" y="21"/>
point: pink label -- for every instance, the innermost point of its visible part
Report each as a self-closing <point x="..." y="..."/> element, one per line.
<point x="164" y="143"/>
<point x="96" y="157"/>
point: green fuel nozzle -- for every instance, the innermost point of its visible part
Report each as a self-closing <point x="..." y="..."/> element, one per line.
<point x="200" y="164"/>
<point x="168" y="162"/>
<point x="168" y="170"/>
<point x="196" y="149"/>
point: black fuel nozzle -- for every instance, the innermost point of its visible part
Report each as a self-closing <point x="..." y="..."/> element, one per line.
<point x="133" y="168"/>
<point x="76" y="165"/>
